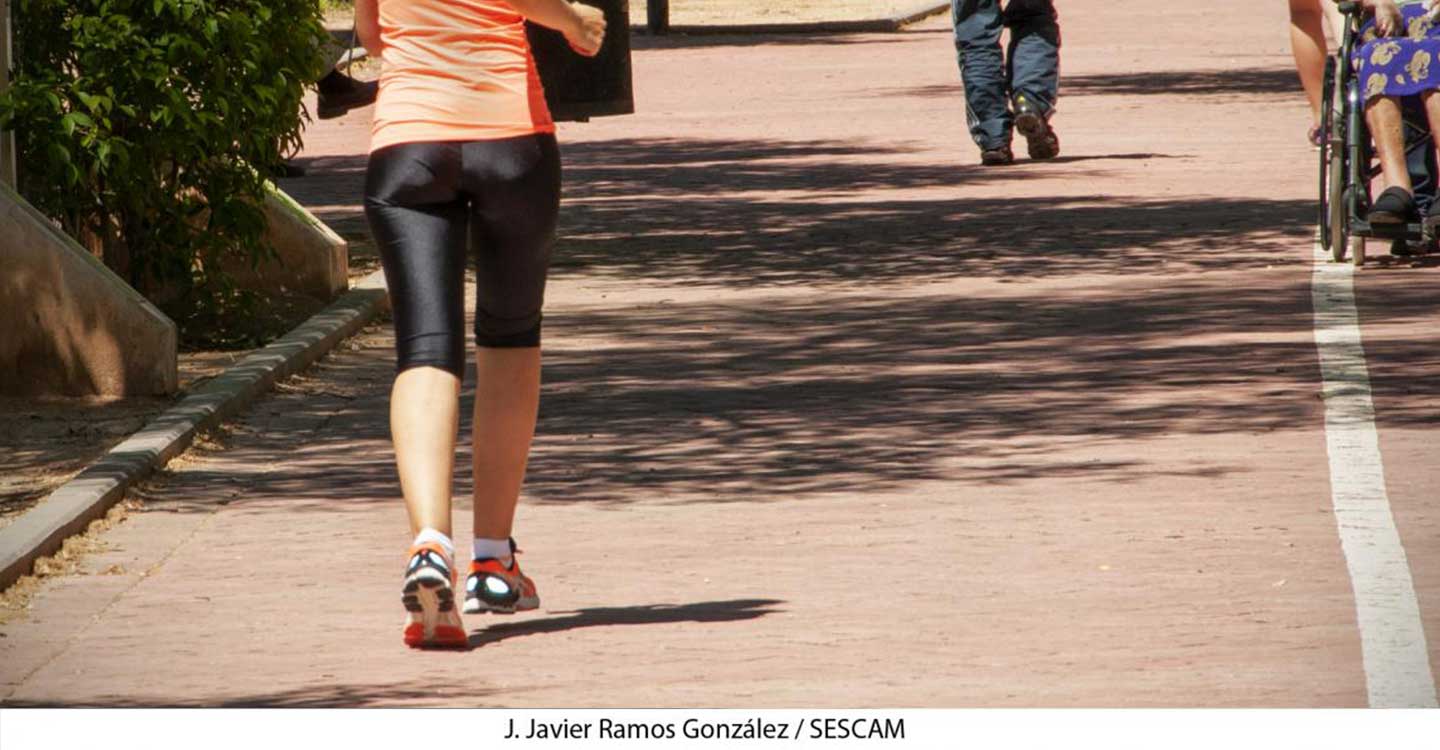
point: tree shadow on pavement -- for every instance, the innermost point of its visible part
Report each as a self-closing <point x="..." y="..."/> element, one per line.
<point x="319" y="695"/>
<point x="1220" y="83"/>
<point x="800" y="354"/>
<point x="734" y="610"/>
<point x="755" y="212"/>
<point x="750" y="213"/>
<point x="774" y="398"/>
<point x="762" y="397"/>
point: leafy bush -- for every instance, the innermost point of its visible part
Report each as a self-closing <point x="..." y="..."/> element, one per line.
<point x="147" y="128"/>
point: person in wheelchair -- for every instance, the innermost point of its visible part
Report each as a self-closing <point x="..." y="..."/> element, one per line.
<point x="1398" y="58"/>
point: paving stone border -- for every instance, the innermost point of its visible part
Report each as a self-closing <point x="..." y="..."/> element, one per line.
<point x="69" y="509"/>
<point x="919" y="12"/>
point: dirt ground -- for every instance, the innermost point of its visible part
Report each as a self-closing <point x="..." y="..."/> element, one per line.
<point x="44" y="442"/>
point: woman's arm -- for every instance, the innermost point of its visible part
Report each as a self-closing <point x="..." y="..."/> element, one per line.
<point x="367" y="25"/>
<point x="582" y="25"/>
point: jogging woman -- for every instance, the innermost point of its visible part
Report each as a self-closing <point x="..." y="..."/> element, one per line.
<point x="463" y="163"/>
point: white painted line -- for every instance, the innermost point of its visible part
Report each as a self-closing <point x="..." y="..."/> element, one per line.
<point x="1392" y="637"/>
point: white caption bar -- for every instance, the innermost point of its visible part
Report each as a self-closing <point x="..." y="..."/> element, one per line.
<point x="1034" y="729"/>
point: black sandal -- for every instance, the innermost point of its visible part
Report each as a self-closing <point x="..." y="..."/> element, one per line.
<point x="1394" y="206"/>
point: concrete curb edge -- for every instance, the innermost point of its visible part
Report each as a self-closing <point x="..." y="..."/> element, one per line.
<point x="71" y="507"/>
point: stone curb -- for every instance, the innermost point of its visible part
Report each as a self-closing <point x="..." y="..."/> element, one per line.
<point x="920" y="12"/>
<point x="70" y="508"/>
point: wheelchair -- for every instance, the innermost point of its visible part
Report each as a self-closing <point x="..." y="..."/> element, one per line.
<point x="1347" y="160"/>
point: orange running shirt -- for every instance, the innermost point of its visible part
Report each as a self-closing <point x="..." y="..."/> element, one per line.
<point x="455" y="70"/>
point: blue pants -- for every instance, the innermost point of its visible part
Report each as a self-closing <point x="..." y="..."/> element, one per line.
<point x="1031" y="66"/>
<point x="1419" y="159"/>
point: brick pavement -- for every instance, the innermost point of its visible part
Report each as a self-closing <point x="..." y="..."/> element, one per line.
<point x="835" y="417"/>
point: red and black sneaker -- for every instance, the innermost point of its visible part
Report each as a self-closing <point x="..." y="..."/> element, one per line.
<point x="428" y="594"/>
<point x="494" y="587"/>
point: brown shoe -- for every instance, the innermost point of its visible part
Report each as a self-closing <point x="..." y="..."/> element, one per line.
<point x="1040" y="138"/>
<point x="997" y="157"/>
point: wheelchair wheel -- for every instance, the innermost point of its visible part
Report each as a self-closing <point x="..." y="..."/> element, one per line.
<point x="1327" y="104"/>
<point x="1338" y="218"/>
<point x="1334" y="227"/>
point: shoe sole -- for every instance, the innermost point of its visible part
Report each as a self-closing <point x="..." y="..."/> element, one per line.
<point x="1385" y="217"/>
<point x="480" y="606"/>
<point x="1044" y="152"/>
<point x="1033" y="127"/>
<point x="432" y="599"/>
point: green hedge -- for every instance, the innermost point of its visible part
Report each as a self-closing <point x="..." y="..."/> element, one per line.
<point x="148" y="127"/>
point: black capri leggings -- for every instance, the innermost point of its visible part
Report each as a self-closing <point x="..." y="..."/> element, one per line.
<point x="431" y="204"/>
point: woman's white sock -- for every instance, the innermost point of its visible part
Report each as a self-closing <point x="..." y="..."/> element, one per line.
<point x="496" y="548"/>
<point x="428" y="535"/>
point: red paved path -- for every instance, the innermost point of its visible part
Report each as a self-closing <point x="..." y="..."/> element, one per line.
<point x="833" y="416"/>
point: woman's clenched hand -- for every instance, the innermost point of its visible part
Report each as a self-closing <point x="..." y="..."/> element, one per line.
<point x="587" y="37"/>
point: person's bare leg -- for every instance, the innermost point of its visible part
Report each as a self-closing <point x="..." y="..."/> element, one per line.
<point x="1387" y="128"/>
<point x="1307" y="42"/>
<point x="507" y="401"/>
<point x="424" y="422"/>
<point x="1334" y="21"/>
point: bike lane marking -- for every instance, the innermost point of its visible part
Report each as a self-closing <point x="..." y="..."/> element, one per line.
<point x="1392" y="637"/>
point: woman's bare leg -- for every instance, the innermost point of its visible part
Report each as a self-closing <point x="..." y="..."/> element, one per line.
<point x="507" y="401"/>
<point x="1388" y="129"/>
<point x="424" y="421"/>
<point x="1307" y="42"/>
<point x="1334" y="21"/>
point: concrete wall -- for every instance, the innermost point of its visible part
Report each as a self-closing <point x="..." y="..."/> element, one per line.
<point x="313" y="261"/>
<point x="68" y="325"/>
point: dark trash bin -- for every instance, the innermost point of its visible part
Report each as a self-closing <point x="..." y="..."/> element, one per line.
<point x="578" y="88"/>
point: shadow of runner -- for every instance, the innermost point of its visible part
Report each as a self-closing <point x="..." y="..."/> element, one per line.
<point x="733" y="610"/>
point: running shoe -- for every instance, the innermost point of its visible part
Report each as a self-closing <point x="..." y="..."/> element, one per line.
<point x="493" y="587"/>
<point x="1040" y="138"/>
<point x="429" y="598"/>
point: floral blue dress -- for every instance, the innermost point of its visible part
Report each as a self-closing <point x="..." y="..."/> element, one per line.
<point x="1402" y="65"/>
